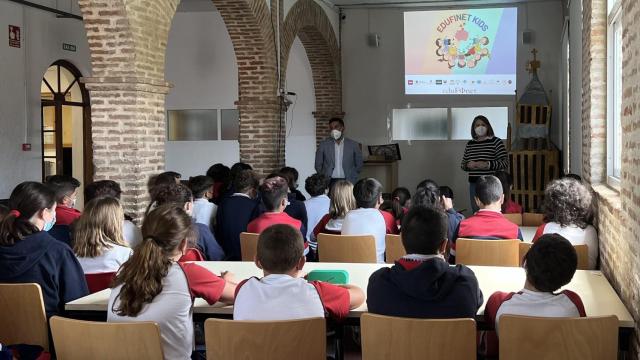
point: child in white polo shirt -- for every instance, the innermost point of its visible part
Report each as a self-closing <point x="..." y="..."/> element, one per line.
<point x="281" y="294"/>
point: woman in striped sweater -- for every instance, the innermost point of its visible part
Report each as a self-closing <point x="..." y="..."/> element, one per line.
<point x="483" y="155"/>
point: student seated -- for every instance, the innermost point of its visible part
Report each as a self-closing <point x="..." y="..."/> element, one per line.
<point x="154" y="286"/>
<point x="341" y="202"/>
<point x="422" y="284"/>
<point x="28" y="254"/>
<point x="273" y="192"/>
<point x="204" y="211"/>
<point x="400" y="204"/>
<point x="130" y="231"/>
<point x="318" y="205"/>
<point x="221" y="176"/>
<point x="428" y="195"/>
<point x="567" y="212"/>
<point x="550" y="264"/>
<point x="180" y="195"/>
<point x="291" y="174"/>
<point x="488" y="222"/>
<point x="367" y="219"/>
<point x="97" y="234"/>
<point x="66" y="190"/>
<point x="454" y="217"/>
<point x="236" y="211"/>
<point x="508" y="206"/>
<point x="282" y="294"/>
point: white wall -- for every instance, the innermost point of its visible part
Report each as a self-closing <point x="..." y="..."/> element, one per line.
<point x="21" y="73"/>
<point x="373" y="85"/>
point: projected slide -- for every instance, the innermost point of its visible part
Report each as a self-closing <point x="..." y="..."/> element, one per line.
<point x="465" y="52"/>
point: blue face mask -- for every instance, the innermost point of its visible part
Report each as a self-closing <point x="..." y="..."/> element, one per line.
<point x="49" y="225"/>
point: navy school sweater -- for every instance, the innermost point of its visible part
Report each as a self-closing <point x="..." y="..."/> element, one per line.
<point x="41" y="259"/>
<point x="234" y="214"/>
<point x="208" y="244"/>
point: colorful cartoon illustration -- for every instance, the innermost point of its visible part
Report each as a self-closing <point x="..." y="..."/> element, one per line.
<point x="460" y="51"/>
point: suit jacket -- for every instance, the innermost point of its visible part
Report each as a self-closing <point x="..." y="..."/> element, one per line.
<point x="351" y="160"/>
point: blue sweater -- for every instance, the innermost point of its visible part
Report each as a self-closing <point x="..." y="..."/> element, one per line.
<point x="41" y="259"/>
<point x="208" y="244"/>
<point x="234" y="214"/>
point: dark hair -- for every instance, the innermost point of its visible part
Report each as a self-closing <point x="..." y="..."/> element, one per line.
<point x="399" y="198"/>
<point x="236" y="169"/>
<point x="316" y="184"/>
<point x="506" y="181"/>
<point x="367" y="192"/>
<point x="199" y="185"/>
<point x="167" y="177"/>
<point x="446" y="191"/>
<point x="291" y="174"/>
<point x="273" y="190"/>
<point x="280" y="247"/>
<point x="427" y="195"/>
<point x="567" y="202"/>
<point x="174" y="194"/>
<point x="27" y="199"/>
<point x="336" y="119"/>
<point x="550" y="263"/>
<point x="219" y="173"/>
<point x="488" y="189"/>
<point x="424" y="229"/>
<point x="62" y="186"/>
<point x="163" y="230"/>
<point x="102" y="188"/>
<point x="486" y="122"/>
<point x="573" y="176"/>
<point x="246" y="180"/>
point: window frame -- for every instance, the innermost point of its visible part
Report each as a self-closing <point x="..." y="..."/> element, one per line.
<point x="613" y="120"/>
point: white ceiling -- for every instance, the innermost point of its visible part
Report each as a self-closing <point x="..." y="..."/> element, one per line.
<point x="355" y="3"/>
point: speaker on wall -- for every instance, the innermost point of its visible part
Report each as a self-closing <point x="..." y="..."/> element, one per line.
<point x="527" y="37"/>
<point x="373" y="39"/>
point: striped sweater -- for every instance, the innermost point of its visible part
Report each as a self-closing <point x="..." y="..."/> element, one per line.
<point x="491" y="150"/>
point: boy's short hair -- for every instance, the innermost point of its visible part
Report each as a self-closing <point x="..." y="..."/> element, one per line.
<point x="550" y="263"/>
<point x="488" y="189"/>
<point x="280" y="247"/>
<point x="273" y="190"/>
<point x="367" y="192"/>
<point x="199" y="185"/>
<point x="102" y="188"/>
<point x="336" y="119"/>
<point x="245" y="180"/>
<point x="316" y="184"/>
<point x="423" y="230"/>
<point x="446" y="192"/>
<point x="62" y="185"/>
<point x="291" y="174"/>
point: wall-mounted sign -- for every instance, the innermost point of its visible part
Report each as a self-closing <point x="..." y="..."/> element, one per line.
<point x="14" y="36"/>
<point x="68" y="47"/>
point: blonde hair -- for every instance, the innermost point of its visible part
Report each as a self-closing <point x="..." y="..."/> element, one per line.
<point x="342" y="199"/>
<point x="99" y="227"/>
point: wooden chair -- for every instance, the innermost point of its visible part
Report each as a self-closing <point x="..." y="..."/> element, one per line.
<point x="289" y="339"/>
<point x="77" y="339"/>
<point x="387" y="337"/>
<point x="488" y="252"/>
<point x="528" y="338"/>
<point x="394" y="249"/>
<point x="523" y="250"/>
<point x="347" y="248"/>
<point x="23" y="319"/>
<point x="248" y="245"/>
<point x="514" y="218"/>
<point x="581" y="250"/>
<point x="532" y="219"/>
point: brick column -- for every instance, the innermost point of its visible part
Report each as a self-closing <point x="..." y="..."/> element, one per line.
<point x="259" y="129"/>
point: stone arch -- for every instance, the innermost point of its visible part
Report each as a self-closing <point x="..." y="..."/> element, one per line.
<point x="308" y="21"/>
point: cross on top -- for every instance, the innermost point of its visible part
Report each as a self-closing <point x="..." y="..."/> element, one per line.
<point x="533" y="65"/>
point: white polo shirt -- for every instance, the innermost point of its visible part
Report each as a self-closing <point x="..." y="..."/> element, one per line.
<point x="367" y="222"/>
<point x="317" y="207"/>
<point x="110" y="260"/>
<point x="576" y="236"/>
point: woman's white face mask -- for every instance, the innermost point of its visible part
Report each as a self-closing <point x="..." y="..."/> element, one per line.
<point x="481" y="130"/>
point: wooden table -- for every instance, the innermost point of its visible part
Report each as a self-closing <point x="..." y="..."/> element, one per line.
<point x="598" y="296"/>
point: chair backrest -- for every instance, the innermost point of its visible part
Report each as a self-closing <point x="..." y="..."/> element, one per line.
<point x="248" y="245"/>
<point x="514" y="218"/>
<point x="23" y="319"/>
<point x="100" y="281"/>
<point x="581" y="250"/>
<point x="532" y="219"/>
<point x="289" y="339"/>
<point x="77" y="339"/>
<point x="387" y="337"/>
<point x="394" y="249"/>
<point x="347" y="248"/>
<point x="523" y="250"/>
<point x="488" y="252"/>
<point x="524" y="338"/>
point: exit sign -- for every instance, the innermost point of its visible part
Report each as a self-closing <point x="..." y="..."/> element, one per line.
<point x="68" y="47"/>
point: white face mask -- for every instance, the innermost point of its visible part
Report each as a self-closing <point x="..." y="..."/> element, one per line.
<point x="481" y="130"/>
<point x="336" y="134"/>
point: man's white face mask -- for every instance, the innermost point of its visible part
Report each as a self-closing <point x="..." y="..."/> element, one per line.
<point x="336" y="134"/>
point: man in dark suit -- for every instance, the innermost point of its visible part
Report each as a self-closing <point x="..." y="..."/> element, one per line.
<point x="338" y="157"/>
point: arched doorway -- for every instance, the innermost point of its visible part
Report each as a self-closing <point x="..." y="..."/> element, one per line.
<point x="65" y="111"/>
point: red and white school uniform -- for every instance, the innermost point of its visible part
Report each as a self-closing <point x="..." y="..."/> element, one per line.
<point x="172" y="308"/>
<point x="267" y="219"/>
<point x="576" y="236"/>
<point x="110" y="260"/>
<point x="486" y="224"/>
<point x="367" y="221"/>
<point x="66" y="215"/>
<point x="282" y="297"/>
<point x="390" y="222"/>
<point x="512" y="207"/>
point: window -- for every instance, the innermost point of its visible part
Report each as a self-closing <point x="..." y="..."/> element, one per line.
<point x="614" y="92"/>
<point x="202" y="125"/>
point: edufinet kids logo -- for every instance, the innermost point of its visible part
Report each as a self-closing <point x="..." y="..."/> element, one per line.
<point x="464" y="45"/>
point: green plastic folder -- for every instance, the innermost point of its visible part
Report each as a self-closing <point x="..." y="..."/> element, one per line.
<point x="330" y="276"/>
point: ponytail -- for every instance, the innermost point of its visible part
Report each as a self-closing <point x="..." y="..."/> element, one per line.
<point x="428" y="195"/>
<point x="399" y="198"/>
<point x="26" y="200"/>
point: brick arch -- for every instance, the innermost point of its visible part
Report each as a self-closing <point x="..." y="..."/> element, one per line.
<point x="308" y="21"/>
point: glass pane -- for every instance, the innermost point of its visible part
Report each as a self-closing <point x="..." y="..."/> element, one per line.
<point x="74" y="93"/>
<point x="49" y="144"/>
<point x="49" y="167"/>
<point x="420" y="124"/>
<point x="230" y="124"/>
<point x="51" y="75"/>
<point x="45" y="92"/>
<point x="48" y="118"/>
<point x="617" y="81"/>
<point x="66" y="78"/>
<point x="192" y="125"/>
<point x="461" y="119"/>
